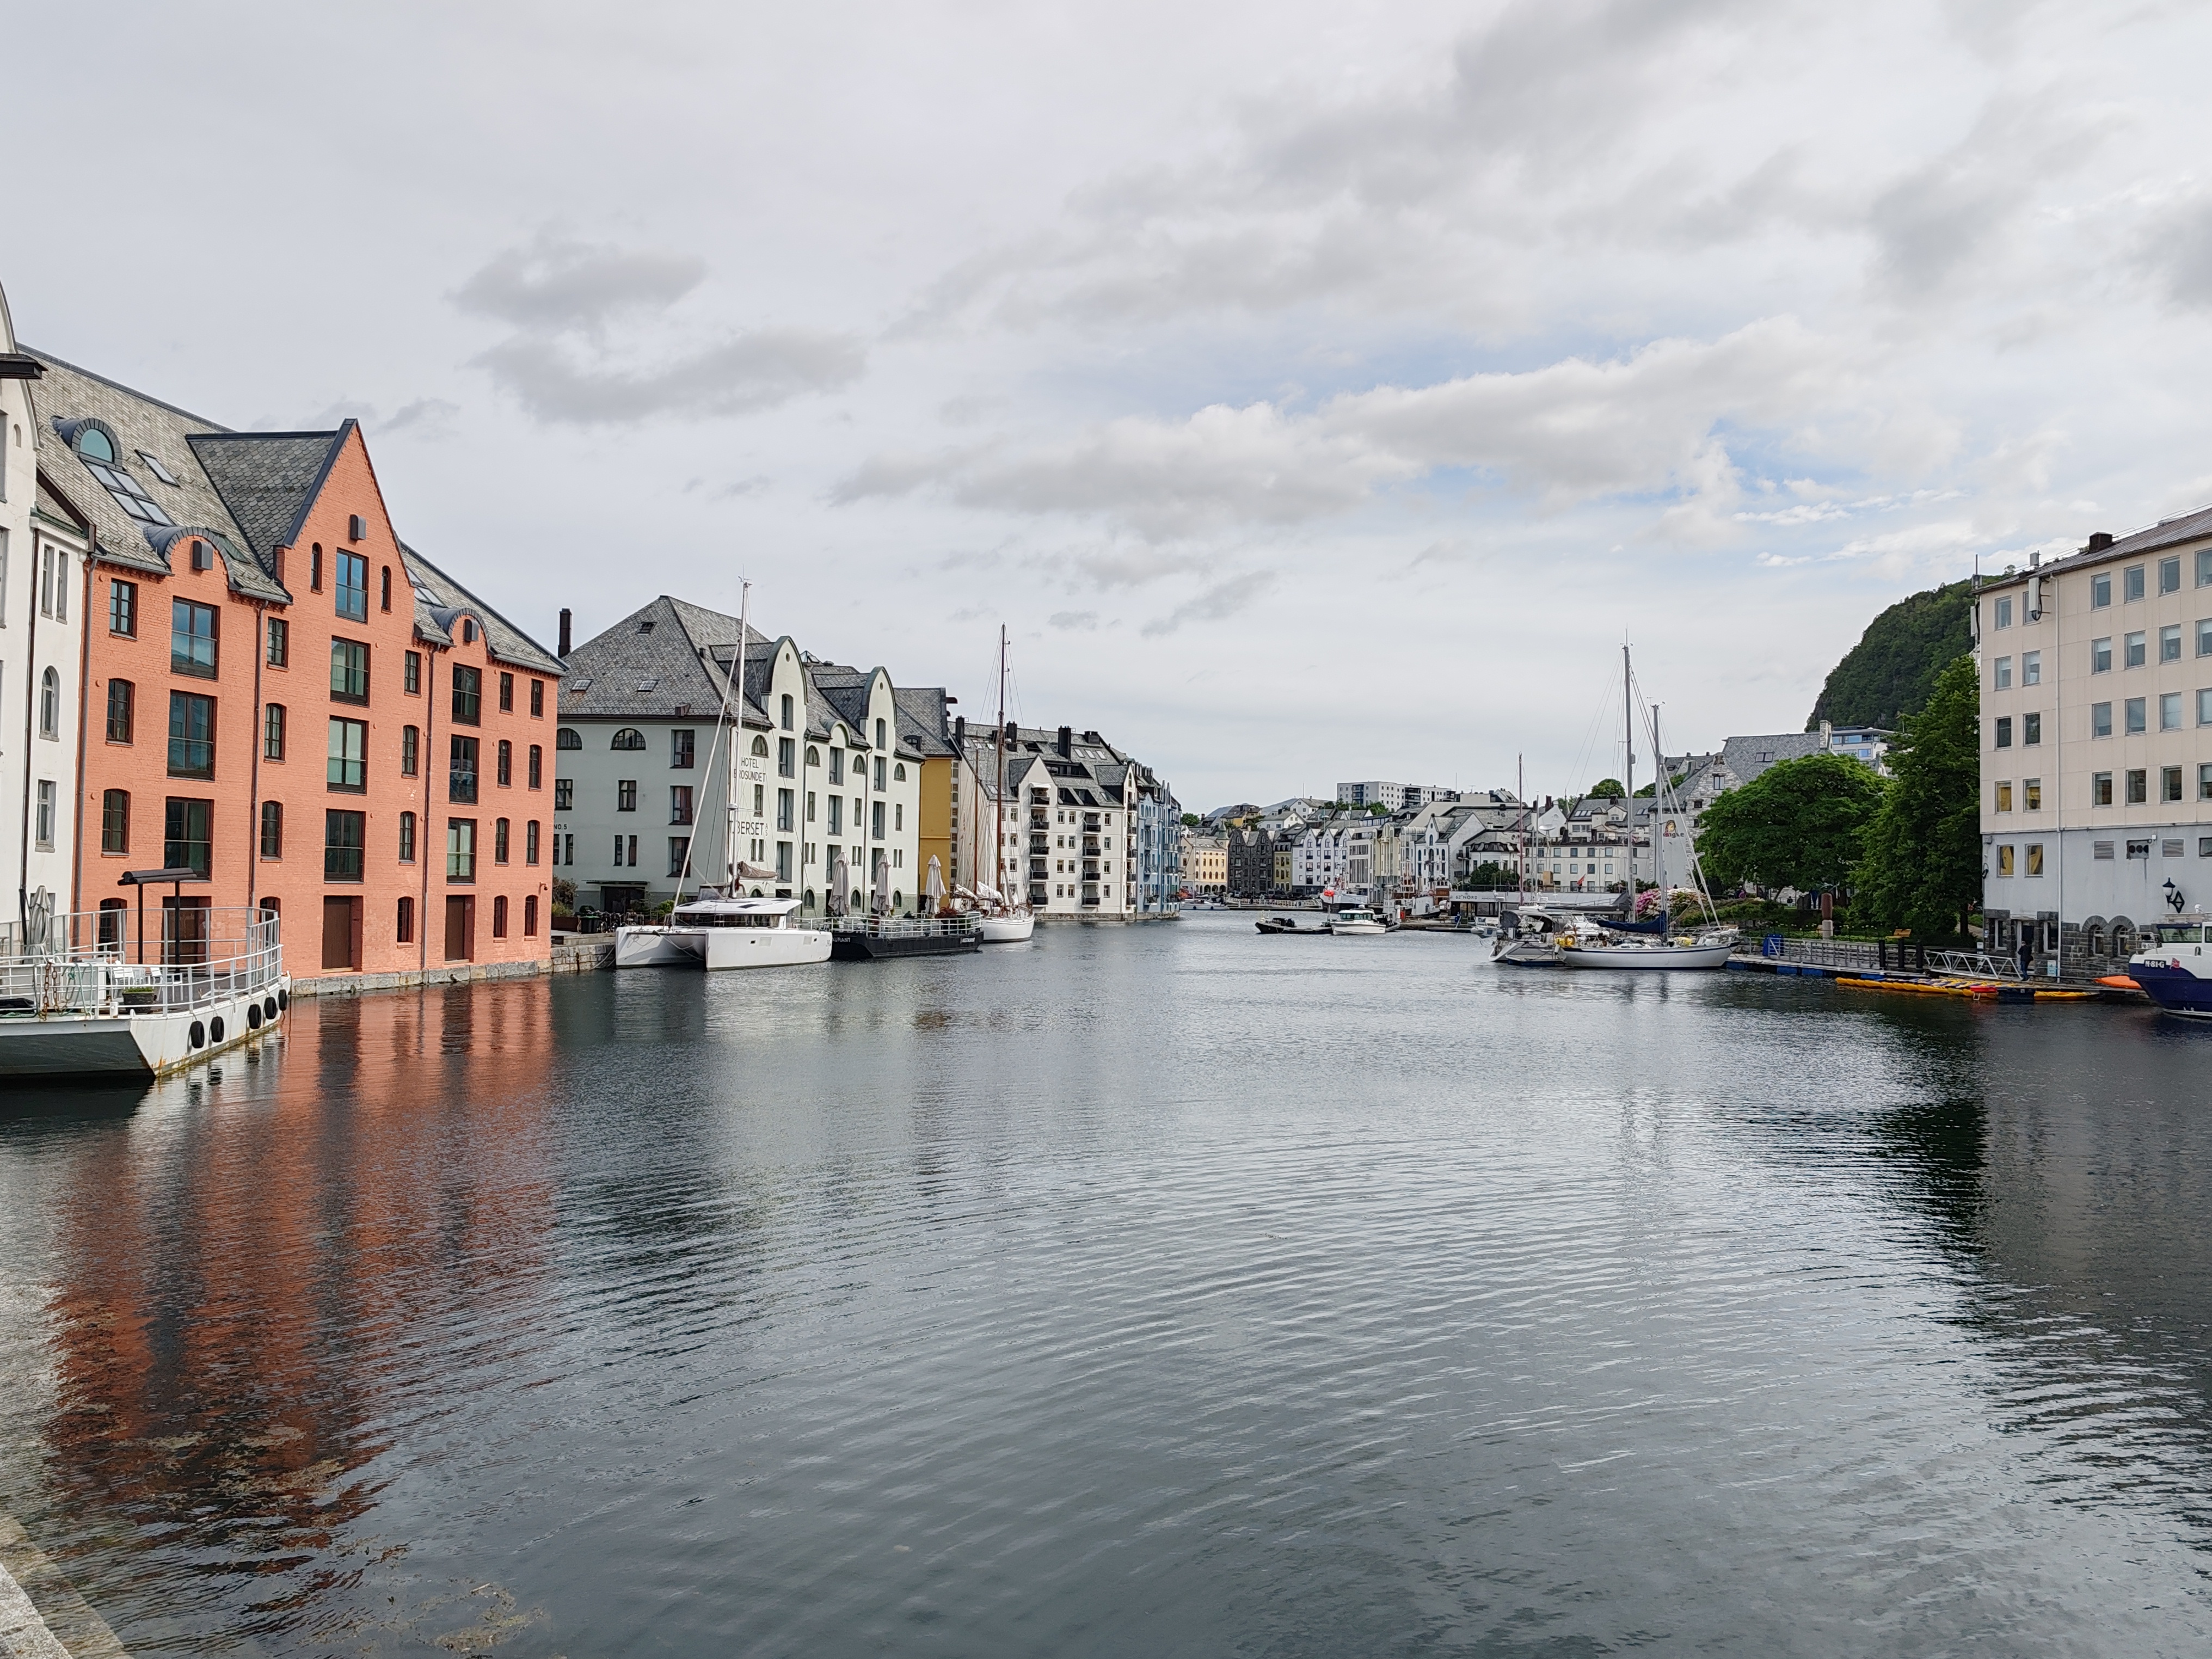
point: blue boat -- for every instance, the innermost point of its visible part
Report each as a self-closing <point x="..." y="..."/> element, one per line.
<point x="2174" y="970"/>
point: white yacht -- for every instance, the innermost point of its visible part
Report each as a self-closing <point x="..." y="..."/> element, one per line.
<point x="716" y="933"/>
<point x="1356" y="919"/>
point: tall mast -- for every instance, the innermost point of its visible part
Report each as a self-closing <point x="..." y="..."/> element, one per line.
<point x="738" y="740"/>
<point x="1521" y="793"/>
<point x="1658" y="841"/>
<point x="1628" y="743"/>
<point x="998" y="828"/>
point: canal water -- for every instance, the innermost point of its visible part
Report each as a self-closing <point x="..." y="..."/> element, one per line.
<point x="1157" y="1290"/>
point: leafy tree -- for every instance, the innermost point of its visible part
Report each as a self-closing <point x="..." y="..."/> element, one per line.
<point x="1489" y="878"/>
<point x="1890" y="673"/>
<point x="1191" y="820"/>
<point x="1610" y="788"/>
<point x="1801" y="823"/>
<point x="1923" y="867"/>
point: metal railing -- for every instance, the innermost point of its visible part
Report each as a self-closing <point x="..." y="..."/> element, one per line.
<point x="959" y="926"/>
<point x="1818" y="953"/>
<point x="97" y="962"/>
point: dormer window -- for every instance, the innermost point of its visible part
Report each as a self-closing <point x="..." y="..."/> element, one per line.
<point x="97" y="451"/>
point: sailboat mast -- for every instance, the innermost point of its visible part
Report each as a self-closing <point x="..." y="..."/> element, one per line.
<point x="999" y="834"/>
<point x="738" y="740"/>
<point x="1628" y="743"/>
<point x="1521" y="793"/>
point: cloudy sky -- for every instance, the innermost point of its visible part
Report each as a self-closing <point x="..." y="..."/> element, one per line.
<point x="1315" y="392"/>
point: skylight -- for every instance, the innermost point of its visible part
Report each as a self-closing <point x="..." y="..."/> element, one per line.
<point x="648" y="685"/>
<point x="153" y="466"/>
<point x="130" y="495"/>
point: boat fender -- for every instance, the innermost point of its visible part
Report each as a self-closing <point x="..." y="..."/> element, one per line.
<point x="252" y="1016"/>
<point x="268" y="1007"/>
<point x="283" y="997"/>
<point x="215" y="1030"/>
<point x="198" y="1035"/>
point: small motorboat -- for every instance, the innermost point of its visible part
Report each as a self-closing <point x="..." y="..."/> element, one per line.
<point x="1292" y="925"/>
<point x="1357" y="919"/>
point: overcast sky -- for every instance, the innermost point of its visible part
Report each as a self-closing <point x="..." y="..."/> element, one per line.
<point x="1315" y="392"/>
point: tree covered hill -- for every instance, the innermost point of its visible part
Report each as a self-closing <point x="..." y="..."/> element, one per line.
<point x="1893" y="669"/>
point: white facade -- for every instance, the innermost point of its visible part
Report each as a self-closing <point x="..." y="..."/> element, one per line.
<point x="42" y="595"/>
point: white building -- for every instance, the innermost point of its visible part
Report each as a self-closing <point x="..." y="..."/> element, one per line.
<point x="1090" y="833"/>
<point x="43" y="583"/>
<point x="1376" y="792"/>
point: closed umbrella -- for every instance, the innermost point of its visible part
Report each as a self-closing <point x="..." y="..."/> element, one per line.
<point x="935" y="886"/>
<point x="883" y="882"/>
<point x="840" y="873"/>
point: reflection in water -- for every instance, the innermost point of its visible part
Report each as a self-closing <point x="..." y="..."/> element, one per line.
<point x="1134" y="1290"/>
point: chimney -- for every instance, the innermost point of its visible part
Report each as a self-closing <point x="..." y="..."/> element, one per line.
<point x="1066" y="742"/>
<point x="1013" y="734"/>
<point x="2098" y="542"/>
<point x="960" y="731"/>
<point x="565" y="621"/>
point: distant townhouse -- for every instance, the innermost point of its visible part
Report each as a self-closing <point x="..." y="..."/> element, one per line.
<point x="1396" y="797"/>
<point x="1207" y="872"/>
<point x="953" y="828"/>
<point x="287" y="699"/>
<point x="1249" y="861"/>
<point x="1091" y="831"/>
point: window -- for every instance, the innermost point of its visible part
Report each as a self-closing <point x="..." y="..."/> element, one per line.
<point x="2030" y="728"/>
<point x="2031" y="668"/>
<point x="123" y="609"/>
<point x="353" y="586"/>
<point x="881" y="743"/>
<point x="680" y="748"/>
<point x="2032" y="795"/>
<point x="280" y="642"/>
<point x="404" y="927"/>
<point x="2005" y="731"/>
<point x="680" y="803"/>
<point x="530" y="915"/>
<point x="783" y="861"/>
<point x="272" y="731"/>
<point x="836" y="766"/>
<point x="191" y="736"/>
<point x="2169" y="711"/>
<point x="2002" y="672"/>
<point x="192" y="639"/>
<point x="786" y="721"/>
<point x="2135" y="652"/>
<point x="2138" y="787"/>
<point x="2004" y="798"/>
<point x="564" y="794"/>
<point x="2136" y="716"/>
<point x="626" y="795"/>
<point x="537" y="700"/>
<point x="115" y="821"/>
<point x="460" y="849"/>
<point x="879" y="772"/>
<point x="2169" y="783"/>
<point x="349" y="755"/>
<point x="348" y="670"/>
<point x="185" y="834"/>
<point x="2100" y="589"/>
<point x="2204" y="782"/>
<point x="499" y="841"/>
<point x="628" y="737"/>
<point x="783" y="808"/>
<point x="506" y="692"/>
<point x="2004" y="613"/>
<point x="2204" y="568"/>
<point x="2100" y="789"/>
<point x="2169" y="575"/>
<point x="499" y="916"/>
<point x="898" y="815"/>
<point x="410" y="751"/>
<point x="680" y="850"/>
<point x="567" y="737"/>
<point x="2035" y="858"/>
<point x="809" y="807"/>
<point x="787" y="758"/>
<point x="2004" y="860"/>
<point x="272" y="830"/>
<point x="2100" y="720"/>
<point x="836" y="815"/>
<point x="530" y="841"/>
<point x="122" y="710"/>
<point x="2131" y="583"/>
<point x="537" y="766"/>
<point x="468" y="694"/>
<point x="877" y="824"/>
<point x="344" y="836"/>
<point x="410" y="673"/>
<point x="384" y="596"/>
<point x="407" y="838"/>
<point x="2169" y="642"/>
<point x="898" y="773"/>
<point x="760" y="747"/>
<point x="2101" y="656"/>
<point x="503" y="764"/>
<point x="461" y="769"/>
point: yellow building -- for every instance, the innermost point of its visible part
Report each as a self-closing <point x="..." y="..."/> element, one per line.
<point x="948" y="808"/>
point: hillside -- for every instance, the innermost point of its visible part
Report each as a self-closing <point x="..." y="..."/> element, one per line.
<point x="1892" y="668"/>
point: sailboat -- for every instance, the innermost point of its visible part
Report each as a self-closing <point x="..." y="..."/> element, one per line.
<point x="1626" y="945"/>
<point x="1005" y="922"/>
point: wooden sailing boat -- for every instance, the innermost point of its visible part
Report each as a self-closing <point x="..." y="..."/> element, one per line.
<point x="1007" y="922"/>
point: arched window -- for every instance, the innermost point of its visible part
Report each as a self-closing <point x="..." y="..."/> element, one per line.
<point x="898" y="773"/>
<point x="50" y="704"/>
<point x="760" y="752"/>
<point x="810" y="898"/>
<point x="813" y="755"/>
<point x="566" y="738"/>
<point x="628" y="737"/>
<point x="94" y="444"/>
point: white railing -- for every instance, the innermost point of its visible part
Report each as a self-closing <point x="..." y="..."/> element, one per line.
<point x="96" y="962"/>
<point x="906" y="927"/>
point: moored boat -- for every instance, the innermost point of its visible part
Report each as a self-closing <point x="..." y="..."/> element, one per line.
<point x="1357" y="919"/>
<point x="716" y="933"/>
<point x="871" y="939"/>
<point x="2173" y="970"/>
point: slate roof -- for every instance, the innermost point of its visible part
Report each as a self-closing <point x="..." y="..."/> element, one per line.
<point x="269" y="480"/>
<point x="925" y="727"/>
<point x="1745" y="758"/>
<point x="665" y="660"/>
<point x="440" y="601"/>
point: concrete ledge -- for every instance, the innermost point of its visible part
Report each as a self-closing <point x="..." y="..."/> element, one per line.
<point x="458" y="973"/>
<point x="585" y="955"/>
<point x="41" y="1616"/>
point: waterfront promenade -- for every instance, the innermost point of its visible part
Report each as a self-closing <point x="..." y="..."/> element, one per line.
<point x="1164" y="1290"/>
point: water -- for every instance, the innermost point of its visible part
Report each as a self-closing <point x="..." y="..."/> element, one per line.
<point x="1158" y="1290"/>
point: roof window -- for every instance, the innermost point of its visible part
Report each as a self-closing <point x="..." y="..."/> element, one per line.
<point x="93" y="444"/>
<point x="161" y="474"/>
<point x="130" y="495"/>
<point x="646" y="627"/>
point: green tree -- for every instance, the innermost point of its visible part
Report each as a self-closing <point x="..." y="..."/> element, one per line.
<point x="1801" y="823"/>
<point x="1191" y="820"/>
<point x="1610" y="788"/>
<point x="1923" y="867"/>
<point x="1890" y="673"/>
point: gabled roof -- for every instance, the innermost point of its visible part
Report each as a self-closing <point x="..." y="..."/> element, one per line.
<point x="270" y="480"/>
<point x="1745" y="758"/>
<point x="2193" y="526"/>
<point x="924" y="725"/>
<point x="663" y="658"/>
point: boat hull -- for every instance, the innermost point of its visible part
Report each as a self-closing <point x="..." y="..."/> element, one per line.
<point x="138" y="1045"/>
<point x="717" y="949"/>
<point x="1007" y="930"/>
<point x="2173" y="987"/>
<point x="877" y="947"/>
<point x="1647" y="959"/>
<point x="650" y="947"/>
<point x="1357" y="927"/>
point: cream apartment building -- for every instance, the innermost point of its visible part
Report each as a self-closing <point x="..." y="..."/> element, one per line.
<point x="2096" y="808"/>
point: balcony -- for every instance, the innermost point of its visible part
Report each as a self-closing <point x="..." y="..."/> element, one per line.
<point x="1040" y="844"/>
<point x="190" y="757"/>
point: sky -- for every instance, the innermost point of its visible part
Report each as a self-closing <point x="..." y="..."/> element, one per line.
<point x="1314" y="392"/>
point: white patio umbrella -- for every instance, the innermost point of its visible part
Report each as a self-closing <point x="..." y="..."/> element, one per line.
<point x="840" y="873"/>
<point x="935" y="886"/>
<point x="883" y="882"/>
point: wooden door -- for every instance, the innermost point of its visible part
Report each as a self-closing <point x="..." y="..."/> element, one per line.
<point x="341" y="934"/>
<point x="460" y="929"/>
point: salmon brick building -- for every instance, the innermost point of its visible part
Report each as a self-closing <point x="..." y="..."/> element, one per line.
<point x="282" y="697"/>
